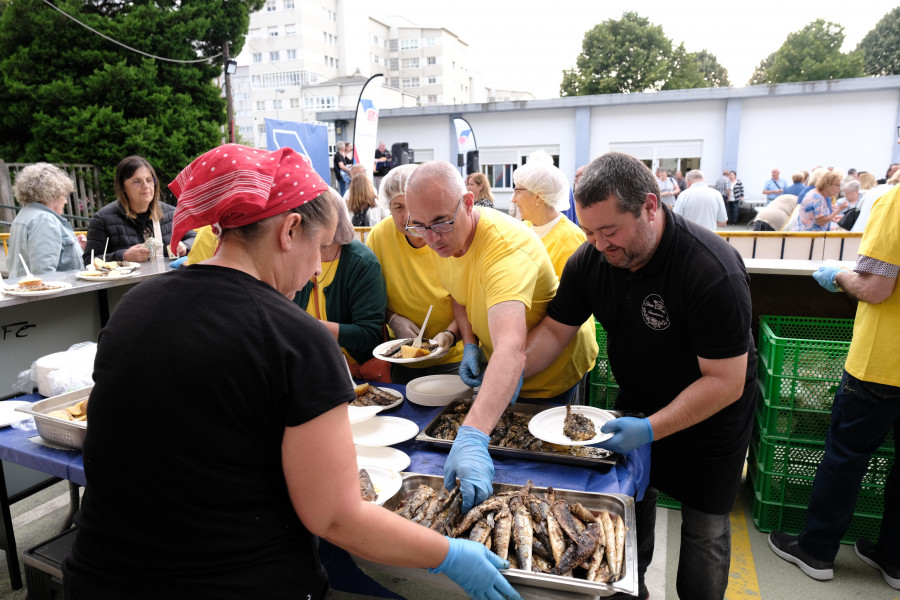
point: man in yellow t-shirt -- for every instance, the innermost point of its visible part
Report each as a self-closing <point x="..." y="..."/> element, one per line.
<point x="501" y="280"/>
<point x="866" y="409"/>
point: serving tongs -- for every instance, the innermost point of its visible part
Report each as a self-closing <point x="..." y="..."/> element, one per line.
<point x="417" y="343"/>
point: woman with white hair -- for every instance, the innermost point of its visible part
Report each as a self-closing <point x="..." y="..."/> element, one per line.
<point x="541" y="192"/>
<point x="412" y="283"/>
<point x="348" y="296"/>
<point x="39" y="233"/>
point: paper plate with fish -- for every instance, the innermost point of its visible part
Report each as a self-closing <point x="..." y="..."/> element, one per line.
<point x="402" y="351"/>
<point x="377" y="484"/>
<point x="571" y="425"/>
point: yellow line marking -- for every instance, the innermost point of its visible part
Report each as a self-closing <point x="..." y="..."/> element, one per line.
<point x="742" y="582"/>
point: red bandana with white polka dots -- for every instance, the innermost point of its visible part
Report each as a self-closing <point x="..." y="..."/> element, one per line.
<point x="234" y="185"/>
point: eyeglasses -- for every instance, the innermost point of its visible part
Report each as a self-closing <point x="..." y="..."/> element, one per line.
<point x="439" y="228"/>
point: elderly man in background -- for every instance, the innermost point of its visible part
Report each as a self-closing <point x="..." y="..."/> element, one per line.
<point x="774" y="187"/>
<point x="662" y="286"/>
<point x="501" y="280"/>
<point x="700" y="203"/>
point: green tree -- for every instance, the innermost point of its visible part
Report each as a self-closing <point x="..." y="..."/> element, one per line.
<point x="633" y="55"/>
<point x="881" y="46"/>
<point x="811" y="54"/>
<point x="72" y="96"/>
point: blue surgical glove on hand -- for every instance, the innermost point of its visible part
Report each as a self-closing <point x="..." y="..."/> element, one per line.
<point x="825" y="277"/>
<point x="474" y="568"/>
<point x="177" y="262"/>
<point x="470" y="462"/>
<point x="628" y="433"/>
<point x="470" y="370"/>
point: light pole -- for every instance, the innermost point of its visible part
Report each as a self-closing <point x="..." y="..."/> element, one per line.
<point x="230" y="68"/>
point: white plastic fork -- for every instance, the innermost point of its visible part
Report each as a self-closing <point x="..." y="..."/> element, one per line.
<point x="417" y="343"/>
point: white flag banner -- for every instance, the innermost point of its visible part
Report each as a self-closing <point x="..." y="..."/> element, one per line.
<point x="365" y="129"/>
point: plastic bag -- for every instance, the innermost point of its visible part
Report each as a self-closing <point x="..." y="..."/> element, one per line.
<point x="60" y="372"/>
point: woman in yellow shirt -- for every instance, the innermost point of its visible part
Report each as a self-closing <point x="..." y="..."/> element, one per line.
<point x="412" y="283"/>
<point x="541" y="191"/>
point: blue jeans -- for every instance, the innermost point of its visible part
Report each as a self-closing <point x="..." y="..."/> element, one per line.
<point x="862" y="415"/>
<point x="733" y="209"/>
<point x="705" y="555"/>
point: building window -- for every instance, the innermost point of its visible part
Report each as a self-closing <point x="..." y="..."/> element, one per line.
<point x="409" y="44"/>
<point x="337" y="63"/>
<point x="332" y="60"/>
<point x="261" y="129"/>
<point x="288" y="4"/>
<point x="326" y="60"/>
<point x="432" y="99"/>
<point x="270" y="5"/>
<point x="291" y="53"/>
<point x="325" y="37"/>
<point x="410" y="63"/>
<point x="499" y="175"/>
<point x="432" y="80"/>
<point x="408" y="82"/>
<point x="257" y="57"/>
<point x="273" y="32"/>
<point x="392" y="46"/>
<point x="273" y="56"/>
<point x="256" y="33"/>
<point x="395" y="82"/>
<point x="432" y="60"/>
<point x="260" y="105"/>
<point x="395" y="64"/>
<point x="375" y="59"/>
<point x="290" y="29"/>
<point x="277" y="104"/>
<point x="431" y="41"/>
<point x="295" y="102"/>
<point x="375" y="39"/>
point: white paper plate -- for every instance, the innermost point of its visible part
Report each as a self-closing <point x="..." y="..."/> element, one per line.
<point x="385" y="481"/>
<point x="380" y="349"/>
<point x="25" y="293"/>
<point x="437" y="390"/>
<point x="80" y="275"/>
<point x="8" y="416"/>
<point x="383" y="431"/>
<point x="548" y="425"/>
<point x="382" y="456"/>
<point x="358" y="414"/>
<point x="392" y="392"/>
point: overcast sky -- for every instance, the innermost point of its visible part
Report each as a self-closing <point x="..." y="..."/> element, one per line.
<point x="526" y="44"/>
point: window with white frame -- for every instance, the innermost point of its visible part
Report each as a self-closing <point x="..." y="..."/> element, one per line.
<point x="290" y="53"/>
<point x="432" y="80"/>
<point x="273" y="56"/>
<point x="395" y="64"/>
<point x="295" y="102"/>
<point x="288" y="4"/>
<point x="257" y="57"/>
<point x="408" y="82"/>
<point x="260" y="105"/>
<point x="375" y="39"/>
<point x="410" y="63"/>
<point x="256" y="34"/>
<point x="290" y="29"/>
<point x="273" y="31"/>
<point x="431" y="60"/>
<point x="376" y="59"/>
<point x="309" y="102"/>
<point x="409" y="44"/>
<point x="431" y="41"/>
<point x="284" y="79"/>
<point x="392" y="46"/>
<point x="261" y="129"/>
<point x="394" y="82"/>
<point x="432" y="99"/>
<point x="277" y="104"/>
<point x="270" y="5"/>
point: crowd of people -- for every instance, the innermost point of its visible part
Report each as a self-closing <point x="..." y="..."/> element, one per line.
<point x="281" y="307"/>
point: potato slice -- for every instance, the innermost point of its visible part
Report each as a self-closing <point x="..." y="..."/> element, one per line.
<point x="361" y="389"/>
<point x="412" y="352"/>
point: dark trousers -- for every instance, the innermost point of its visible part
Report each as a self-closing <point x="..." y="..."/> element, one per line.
<point x="862" y="415"/>
<point x="762" y="226"/>
<point x="733" y="209"/>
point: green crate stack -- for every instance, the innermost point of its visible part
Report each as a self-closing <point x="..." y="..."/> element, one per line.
<point x="800" y="364"/>
<point x="603" y="387"/>
<point x="604" y="390"/>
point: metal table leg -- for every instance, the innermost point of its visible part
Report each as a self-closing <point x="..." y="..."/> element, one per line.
<point x="74" y="502"/>
<point x="7" y="537"/>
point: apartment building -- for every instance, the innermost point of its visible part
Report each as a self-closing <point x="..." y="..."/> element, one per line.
<point x="302" y="57"/>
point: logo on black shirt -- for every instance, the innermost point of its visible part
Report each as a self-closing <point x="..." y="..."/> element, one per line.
<point x="653" y="309"/>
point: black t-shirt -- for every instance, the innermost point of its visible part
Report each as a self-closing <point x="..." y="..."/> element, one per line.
<point x="337" y="162"/>
<point x="691" y="299"/>
<point x="197" y="374"/>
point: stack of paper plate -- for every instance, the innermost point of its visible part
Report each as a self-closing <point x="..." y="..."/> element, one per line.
<point x="437" y="390"/>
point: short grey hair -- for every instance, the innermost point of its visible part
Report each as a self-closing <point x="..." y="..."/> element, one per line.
<point x="444" y="172"/>
<point x="340" y="145"/>
<point x="694" y="175"/>
<point x="850" y="186"/>
<point x="41" y="182"/>
<point x="620" y="176"/>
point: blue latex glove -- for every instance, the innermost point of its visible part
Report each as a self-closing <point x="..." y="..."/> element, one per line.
<point x="177" y="262"/>
<point x="474" y="568"/>
<point x="470" y="370"/>
<point x="628" y="433"/>
<point x="825" y="277"/>
<point x="470" y="462"/>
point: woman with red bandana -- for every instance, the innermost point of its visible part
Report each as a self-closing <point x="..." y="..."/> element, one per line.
<point x="215" y="477"/>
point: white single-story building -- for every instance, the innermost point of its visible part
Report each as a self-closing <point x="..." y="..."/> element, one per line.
<point x="790" y="126"/>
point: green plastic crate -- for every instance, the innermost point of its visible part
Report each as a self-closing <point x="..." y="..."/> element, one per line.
<point x="603" y="396"/>
<point x="783" y="473"/>
<point x="801" y="359"/>
<point x="666" y="501"/>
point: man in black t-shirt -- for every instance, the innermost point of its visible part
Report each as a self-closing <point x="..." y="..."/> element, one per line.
<point x="674" y="299"/>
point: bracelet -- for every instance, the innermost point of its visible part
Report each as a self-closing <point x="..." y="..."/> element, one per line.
<point x="455" y="339"/>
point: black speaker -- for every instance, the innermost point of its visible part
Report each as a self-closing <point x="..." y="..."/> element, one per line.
<point x="410" y="156"/>
<point x="472" y="165"/>
<point x="401" y="153"/>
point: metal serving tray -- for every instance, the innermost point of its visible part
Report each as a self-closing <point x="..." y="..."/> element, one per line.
<point x="614" y="504"/>
<point x="605" y="460"/>
<point x="64" y="433"/>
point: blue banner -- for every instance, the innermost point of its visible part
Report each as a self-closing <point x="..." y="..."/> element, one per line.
<point x="307" y="139"/>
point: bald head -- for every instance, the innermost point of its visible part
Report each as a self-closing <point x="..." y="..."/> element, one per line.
<point x="436" y="173"/>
